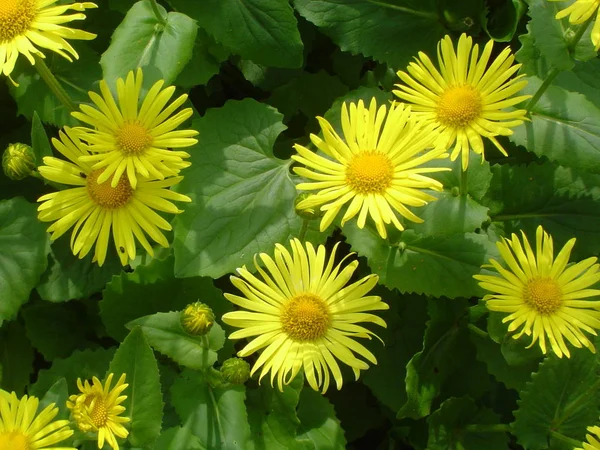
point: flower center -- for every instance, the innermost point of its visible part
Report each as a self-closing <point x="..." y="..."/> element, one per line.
<point x="106" y="196"/>
<point x="99" y="413"/>
<point x="305" y="318"/>
<point x="370" y="172"/>
<point x="459" y="106"/>
<point x="15" y="18"/>
<point x="133" y="138"/>
<point x="543" y="295"/>
<point x="14" y="440"/>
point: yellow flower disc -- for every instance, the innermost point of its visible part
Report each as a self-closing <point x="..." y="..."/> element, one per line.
<point x="370" y="172"/>
<point x="133" y="138"/>
<point x="459" y="106"/>
<point x="305" y="318"/>
<point x="543" y="295"/>
<point x="106" y="196"/>
<point x="16" y="17"/>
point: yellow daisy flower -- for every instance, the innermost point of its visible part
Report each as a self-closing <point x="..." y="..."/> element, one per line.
<point x="303" y="317"/>
<point x="465" y="98"/>
<point x="377" y="166"/>
<point x="22" y="428"/>
<point x="98" y="409"/>
<point x="579" y="12"/>
<point x="593" y="441"/>
<point x="94" y="208"/>
<point x="132" y="138"/>
<point x="542" y="294"/>
<point x="25" y="24"/>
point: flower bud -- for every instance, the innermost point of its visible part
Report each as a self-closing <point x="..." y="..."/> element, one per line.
<point x="306" y="213"/>
<point x="197" y="319"/>
<point x="235" y="371"/>
<point x="18" y="161"/>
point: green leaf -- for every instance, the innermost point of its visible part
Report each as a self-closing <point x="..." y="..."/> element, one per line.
<point x="161" y="49"/>
<point x="524" y="197"/>
<point x="68" y="277"/>
<point x="57" y="394"/>
<point x="443" y="353"/>
<point x="144" y="404"/>
<point x="564" y="127"/>
<point x="217" y="414"/>
<point x="150" y="289"/>
<point x="56" y="330"/>
<point x="243" y="197"/>
<point x="459" y="423"/>
<point x="264" y="31"/>
<point x="478" y="177"/>
<point x="81" y="364"/>
<point x="503" y="18"/>
<point x="39" y="139"/>
<point x="77" y="78"/>
<point x="562" y="397"/>
<point x="165" y="334"/>
<point x="178" y="438"/>
<point x="318" y="422"/>
<point x="16" y="358"/>
<point x="272" y="415"/>
<point x="207" y="57"/>
<point x="583" y="79"/>
<point x="403" y="338"/>
<point x="24" y="249"/>
<point x="438" y="266"/>
<point x="376" y="28"/>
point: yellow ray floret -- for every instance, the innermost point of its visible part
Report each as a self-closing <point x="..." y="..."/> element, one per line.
<point x="137" y="135"/>
<point x="544" y="296"/>
<point x="94" y="209"/>
<point x="302" y="315"/>
<point x="376" y="169"/>
<point x="466" y="95"/>
<point x="593" y="439"/>
<point x="28" y="25"/>
<point x="579" y="12"/>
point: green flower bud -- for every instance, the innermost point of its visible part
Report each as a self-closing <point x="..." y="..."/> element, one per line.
<point x="18" y="161"/>
<point x="235" y="371"/>
<point x="197" y="319"/>
<point x="303" y="212"/>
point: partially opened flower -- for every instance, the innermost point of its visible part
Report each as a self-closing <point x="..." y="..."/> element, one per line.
<point x="376" y="169"/>
<point x="579" y="12"/>
<point x="22" y="427"/>
<point x="26" y="25"/>
<point x="593" y="439"/>
<point x="544" y="297"/>
<point x="137" y="135"/>
<point x="302" y="315"/>
<point x="95" y="209"/>
<point x="98" y="409"/>
<point x="467" y="96"/>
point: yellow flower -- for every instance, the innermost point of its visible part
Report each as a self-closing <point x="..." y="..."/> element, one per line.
<point x="95" y="208"/>
<point x="98" y="409"/>
<point x="542" y="294"/>
<point x="579" y="12"/>
<point x="22" y="428"/>
<point x="593" y="442"/>
<point x="197" y="319"/>
<point x="135" y="138"/>
<point x="303" y="317"/>
<point x="377" y="166"/>
<point x="465" y="98"/>
<point x="25" y="24"/>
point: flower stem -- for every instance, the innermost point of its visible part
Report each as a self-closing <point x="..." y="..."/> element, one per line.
<point x="567" y="440"/>
<point x="303" y="230"/>
<point x="488" y="428"/>
<point x="572" y="43"/>
<point x="161" y="19"/>
<point x="478" y="331"/>
<point x="53" y="84"/>
<point x="464" y="182"/>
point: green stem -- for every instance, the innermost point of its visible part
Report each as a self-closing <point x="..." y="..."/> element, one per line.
<point x="205" y="341"/>
<point x="405" y="10"/>
<point x="157" y="13"/>
<point x="464" y="183"/>
<point x="485" y="428"/>
<point x="53" y="84"/>
<point x="567" y="440"/>
<point x="478" y="331"/>
<point x="554" y="72"/>
<point x="303" y="230"/>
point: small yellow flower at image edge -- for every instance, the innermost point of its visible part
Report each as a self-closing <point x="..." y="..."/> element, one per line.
<point x="544" y="295"/>
<point x="25" y="24"/>
<point x="303" y="317"/>
<point x="593" y="439"/>
<point x="581" y="11"/>
<point x="464" y="97"/>
<point x="377" y="168"/>
<point x="136" y="136"/>
<point x="23" y="428"/>
<point x="98" y="409"/>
